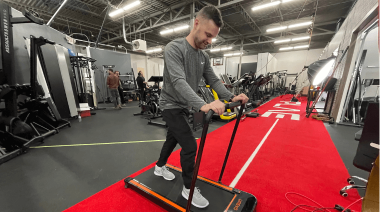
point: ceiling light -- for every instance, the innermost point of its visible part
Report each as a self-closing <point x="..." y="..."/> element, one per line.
<point x="300" y="24"/>
<point x="127" y="7"/>
<point x="301" y="47"/>
<point x="166" y="31"/>
<point x="266" y="5"/>
<point x="181" y="28"/>
<point x="301" y="38"/>
<point x="225" y="48"/>
<point x="286" y="48"/>
<point x="228" y="55"/>
<point x="276" y="29"/>
<point x="215" y="50"/>
<point x="213" y="40"/>
<point x="282" y="41"/>
<point x="154" y="50"/>
<point x="237" y="54"/>
<point x="284" y="1"/>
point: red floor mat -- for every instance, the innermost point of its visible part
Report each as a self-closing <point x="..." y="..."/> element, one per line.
<point x="297" y="156"/>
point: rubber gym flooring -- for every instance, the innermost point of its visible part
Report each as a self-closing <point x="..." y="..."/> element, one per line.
<point x="56" y="177"/>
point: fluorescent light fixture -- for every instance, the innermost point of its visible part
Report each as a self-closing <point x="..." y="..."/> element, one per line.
<point x="166" y="31"/>
<point x="300" y="24"/>
<point x="286" y="48"/>
<point x="237" y="54"/>
<point x="154" y="50"/>
<point x="215" y="50"/>
<point x="213" y="40"/>
<point x="228" y="55"/>
<point x="282" y="41"/>
<point x="225" y="48"/>
<point x="301" y="38"/>
<point x="56" y="12"/>
<point x="266" y="5"/>
<point x="322" y="74"/>
<point x="277" y="29"/>
<point x="301" y="47"/>
<point x="284" y="1"/>
<point x="126" y="7"/>
<point x="181" y="28"/>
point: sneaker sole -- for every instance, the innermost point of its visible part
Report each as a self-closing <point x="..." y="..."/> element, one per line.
<point x="157" y="174"/>
<point x="192" y="202"/>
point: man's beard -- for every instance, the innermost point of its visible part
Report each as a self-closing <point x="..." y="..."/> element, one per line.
<point x="199" y="44"/>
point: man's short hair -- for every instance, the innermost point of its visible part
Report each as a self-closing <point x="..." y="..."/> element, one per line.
<point x="212" y="13"/>
<point x="111" y="70"/>
<point x="139" y="74"/>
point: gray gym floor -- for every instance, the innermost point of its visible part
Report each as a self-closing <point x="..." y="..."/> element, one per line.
<point x="53" y="179"/>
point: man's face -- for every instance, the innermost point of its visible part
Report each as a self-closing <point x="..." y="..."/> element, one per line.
<point x="205" y="31"/>
<point x="117" y="73"/>
<point x="110" y="72"/>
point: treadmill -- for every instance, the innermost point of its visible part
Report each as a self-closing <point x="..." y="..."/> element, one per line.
<point x="167" y="194"/>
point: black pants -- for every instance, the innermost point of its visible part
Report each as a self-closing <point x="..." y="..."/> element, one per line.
<point x="121" y="95"/>
<point x="179" y="132"/>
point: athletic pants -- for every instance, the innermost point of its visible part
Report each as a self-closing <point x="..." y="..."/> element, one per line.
<point x="179" y="131"/>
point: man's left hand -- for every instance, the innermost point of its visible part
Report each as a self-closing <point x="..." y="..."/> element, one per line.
<point x="242" y="97"/>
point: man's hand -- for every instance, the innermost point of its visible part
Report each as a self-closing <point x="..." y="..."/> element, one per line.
<point x="217" y="106"/>
<point x="242" y="97"/>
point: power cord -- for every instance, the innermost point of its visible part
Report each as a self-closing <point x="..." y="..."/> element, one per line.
<point x="320" y="208"/>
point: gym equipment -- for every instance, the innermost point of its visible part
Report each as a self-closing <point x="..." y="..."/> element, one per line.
<point x="253" y="114"/>
<point x="167" y="194"/>
<point x="83" y="78"/>
<point x="16" y="134"/>
<point x="150" y="106"/>
<point x="309" y="109"/>
<point x="209" y="95"/>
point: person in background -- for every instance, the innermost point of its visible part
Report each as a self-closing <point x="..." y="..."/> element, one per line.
<point x="120" y="89"/>
<point x="141" y="84"/>
<point x="113" y="84"/>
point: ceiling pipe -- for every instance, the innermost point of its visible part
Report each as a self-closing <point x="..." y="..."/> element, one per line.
<point x="124" y="34"/>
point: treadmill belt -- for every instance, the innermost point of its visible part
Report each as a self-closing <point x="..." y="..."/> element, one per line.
<point x="219" y="198"/>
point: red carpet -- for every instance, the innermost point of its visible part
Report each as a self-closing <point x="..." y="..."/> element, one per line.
<point x="297" y="156"/>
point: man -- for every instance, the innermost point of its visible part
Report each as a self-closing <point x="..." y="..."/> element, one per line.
<point x="185" y="65"/>
<point x="112" y="84"/>
<point x="120" y="89"/>
<point x="141" y="84"/>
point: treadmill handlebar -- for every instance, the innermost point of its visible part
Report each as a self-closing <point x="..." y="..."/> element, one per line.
<point x="233" y="105"/>
<point x="49" y="41"/>
<point x="228" y="106"/>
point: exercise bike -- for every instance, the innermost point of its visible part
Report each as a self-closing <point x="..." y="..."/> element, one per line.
<point x="149" y="101"/>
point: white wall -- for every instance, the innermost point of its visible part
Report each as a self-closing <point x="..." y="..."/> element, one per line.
<point x="139" y="61"/>
<point x="232" y="63"/>
<point x="245" y="59"/>
<point x="155" y="67"/>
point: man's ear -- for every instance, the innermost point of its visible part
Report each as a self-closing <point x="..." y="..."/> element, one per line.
<point x="196" y="22"/>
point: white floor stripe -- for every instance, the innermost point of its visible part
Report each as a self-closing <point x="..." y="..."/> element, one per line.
<point x="241" y="172"/>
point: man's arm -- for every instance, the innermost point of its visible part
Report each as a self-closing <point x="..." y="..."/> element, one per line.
<point x="176" y="70"/>
<point x="215" y="82"/>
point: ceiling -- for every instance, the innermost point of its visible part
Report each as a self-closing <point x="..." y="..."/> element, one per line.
<point x="243" y="27"/>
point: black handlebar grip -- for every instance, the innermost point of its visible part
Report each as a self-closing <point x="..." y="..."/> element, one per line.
<point x="49" y="41"/>
<point x="233" y="105"/>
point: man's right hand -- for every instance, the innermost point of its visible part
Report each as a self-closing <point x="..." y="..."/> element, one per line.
<point x="217" y="106"/>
